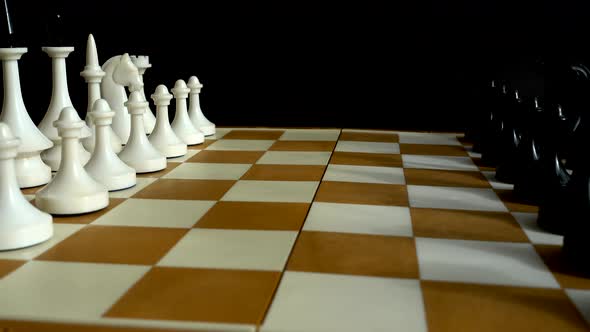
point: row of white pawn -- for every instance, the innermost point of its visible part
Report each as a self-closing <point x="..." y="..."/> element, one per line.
<point x="40" y="150"/>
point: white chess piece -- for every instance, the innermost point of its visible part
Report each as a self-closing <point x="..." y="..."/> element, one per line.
<point x="21" y="224"/>
<point x="104" y="165"/>
<point x="142" y="62"/>
<point x="30" y="169"/>
<point x="139" y="152"/>
<point x="163" y="137"/>
<point x="93" y="74"/>
<point x="72" y="190"/>
<point x="195" y="113"/>
<point x="60" y="98"/>
<point x="120" y="72"/>
<point x="182" y="125"/>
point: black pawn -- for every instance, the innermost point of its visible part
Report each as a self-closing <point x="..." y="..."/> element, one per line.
<point x="555" y="194"/>
<point x="490" y="145"/>
<point x="510" y="139"/>
<point x="576" y="246"/>
<point x="527" y="184"/>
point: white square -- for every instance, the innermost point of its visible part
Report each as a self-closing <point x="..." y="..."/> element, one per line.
<point x="208" y="171"/>
<point x="528" y="223"/>
<point x="60" y="232"/>
<point x="367" y="147"/>
<point x="482" y="262"/>
<point x="491" y="177"/>
<point x="232" y="249"/>
<point x="189" y="154"/>
<point x="581" y="299"/>
<point x="359" y="218"/>
<point x="294" y="158"/>
<point x="126" y="193"/>
<point x="428" y="138"/>
<point x="156" y="213"/>
<point x="328" y="302"/>
<point x="458" y="198"/>
<point x="365" y="174"/>
<point x="67" y="291"/>
<point x="272" y="191"/>
<point x="310" y="135"/>
<point x="241" y="145"/>
<point x="439" y="162"/>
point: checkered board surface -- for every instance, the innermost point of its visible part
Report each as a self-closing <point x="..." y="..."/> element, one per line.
<point x="301" y="230"/>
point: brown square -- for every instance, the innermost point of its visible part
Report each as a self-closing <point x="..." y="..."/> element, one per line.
<point x="169" y="166"/>
<point x="366" y="159"/>
<point x="47" y="326"/>
<point x="115" y="244"/>
<point x="255" y="215"/>
<point x="31" y="191"/>
<point x="358" y="254"/>
<point x="254" y="134"/>
<point x="186" y="189"/>
<point x="87" y="218"/>
<point x="362" y="193"/>
<point x="483" y="308"/>
<point x="368" y="137"/>
<point x="513" y="204"/>
<point x="466" y="225"/>
<point x="285" y="172"/>
<point x="433" y="150"/>
<point x="230" y="157"/>
<point x="432" y="177"/>
<point x="566" y="274"/>
<point x="207" y="295"/>
<point x="203" y="145"/>
<point x="322" y="146"/>
<point x="8" y="265"/>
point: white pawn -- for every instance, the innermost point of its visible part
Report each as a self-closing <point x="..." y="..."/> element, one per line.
<point x="139" y="152"/>
<point x="163" y="137"/>
<point x="182" y="125"/>
<point x="72" y="190"/>
<point x="195" y="113"/>
<point x="21" y="224"/>
<point x="60" y="98"/>
<point x="93" y="75"/>
<point x="142" y="62"/>
<point x="104" y="166"/>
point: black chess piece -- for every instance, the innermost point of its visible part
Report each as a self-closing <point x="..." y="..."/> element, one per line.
<point x="527" y="187"/>
<point x="576" y="247"/>
<point x="510" y="138"/>
<point x="555" y="195"/>
<point x="482" y="115"/>
<point x="490" y="145"/>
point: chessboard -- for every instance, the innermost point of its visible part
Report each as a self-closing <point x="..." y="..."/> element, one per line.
<point x="302" y="230"/>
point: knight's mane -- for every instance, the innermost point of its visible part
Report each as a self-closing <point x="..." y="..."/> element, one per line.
<point x="109" y="62"/>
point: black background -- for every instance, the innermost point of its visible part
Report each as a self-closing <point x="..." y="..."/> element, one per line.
<point x="396" y="66"/>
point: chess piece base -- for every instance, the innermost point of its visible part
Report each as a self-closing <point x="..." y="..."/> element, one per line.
<point x="25" y="234"/>
<point x="76" y="203"/>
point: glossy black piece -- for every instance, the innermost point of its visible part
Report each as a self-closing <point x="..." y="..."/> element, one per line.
<point x="527" y="187"/>
<point x="555" y="195"/>
<point x="508" y="162"/>
<point x="576" y="246"/>
<point x="491" y="149"/>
